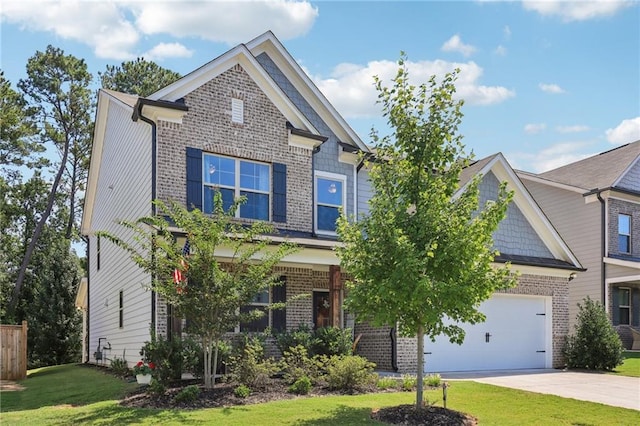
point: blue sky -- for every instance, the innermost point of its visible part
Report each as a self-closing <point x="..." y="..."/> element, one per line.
<point x="545" y="83"/>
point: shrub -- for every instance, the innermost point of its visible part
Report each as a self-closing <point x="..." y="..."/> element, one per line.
<point x="166" y="355"/>
<point x="387" y="383"/>
<point x="595" y="344"/>
<point x="433" y="380"/>
<point x="302" y="386"/>
<point x="302" y="336"/>
<point x="331" y="341"/>
<point x="242" y="391"/>
<point x="120" y="367"/>
<point x="156" y="388"/>
<point x="409" y="382"/>
<point x="248" y="365"/>
<point x="188" y="394"/>
<point x="193" y="357"/>
<point x="348" y="373"/>
<point x="295" y="364"/>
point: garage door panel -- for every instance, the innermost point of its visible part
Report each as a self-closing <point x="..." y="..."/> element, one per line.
<point x="513" y="336"/>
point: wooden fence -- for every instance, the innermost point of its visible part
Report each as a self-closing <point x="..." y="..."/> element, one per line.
<point x="13" y="351"/>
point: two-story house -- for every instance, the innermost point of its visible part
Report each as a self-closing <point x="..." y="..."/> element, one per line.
<point x="252" y="123"/>
<point x="595" y="205"/>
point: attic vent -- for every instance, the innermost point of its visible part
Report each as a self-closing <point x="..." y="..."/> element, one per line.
<point x="237" y="110"/>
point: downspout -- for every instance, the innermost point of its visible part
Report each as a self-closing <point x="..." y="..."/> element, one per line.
<point x="138" y="114"/>
<point x="603" y="275"/>
<point x="394" y="349"/>
<point x="313" y="190"/>
<point x="88" y="336"/>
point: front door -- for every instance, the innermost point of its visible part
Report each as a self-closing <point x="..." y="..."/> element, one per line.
<point x="321" y="311"/>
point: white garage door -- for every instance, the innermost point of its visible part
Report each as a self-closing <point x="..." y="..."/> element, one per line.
<point x="516" y="335"/>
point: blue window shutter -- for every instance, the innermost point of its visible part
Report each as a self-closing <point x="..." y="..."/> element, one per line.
<point x="279" y="192"/>
<point x="616" y="306"/>
<point x="635" y="307"/>
<point x="279" y="316"/>
<point x="194" y="178"/>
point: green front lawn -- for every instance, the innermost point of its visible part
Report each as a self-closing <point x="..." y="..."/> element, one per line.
<point x="630" y="366"/>
<point x="79" y="395"/>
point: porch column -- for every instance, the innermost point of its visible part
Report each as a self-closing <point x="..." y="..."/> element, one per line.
<point x="335" y="288"/>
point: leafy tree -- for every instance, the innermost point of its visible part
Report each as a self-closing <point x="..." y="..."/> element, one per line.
<point x="139" y="77"/>
<point x="595" y="345"/>
<point x="58" y="85"/>
<point x="214" y="291"/>
<point x="424" y="252"/>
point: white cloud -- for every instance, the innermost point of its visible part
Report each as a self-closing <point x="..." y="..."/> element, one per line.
<point x="534" y="128"/>
<point x="500" y="51"/>
<point x="507" y="32"/>
<point x="113" y="29"/>
<point x="551" y="157"/>
<point x="168" y="50"/>
<point x="551" y="88"/>
<point x="455" y="44"/>
<point x="350" y="87"/>
<point x="572" y="129"/>
<point x="229" y="22"/>
<point x="577" y="10"/>
<point x="627" y="131"/>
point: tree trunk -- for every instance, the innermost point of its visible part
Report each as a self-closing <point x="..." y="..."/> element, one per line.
<point x="37" y="231"/>
<point x="420" y="378"/>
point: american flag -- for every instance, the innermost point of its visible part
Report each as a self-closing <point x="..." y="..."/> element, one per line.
<point x="178" y="273"/>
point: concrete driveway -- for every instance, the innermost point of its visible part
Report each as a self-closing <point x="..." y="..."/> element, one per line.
<point x="606" y="389"/>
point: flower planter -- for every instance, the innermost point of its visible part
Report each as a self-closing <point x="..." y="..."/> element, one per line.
<point x="143" y="379"/>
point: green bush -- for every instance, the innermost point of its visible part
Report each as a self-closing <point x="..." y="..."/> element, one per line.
<point x="188" y="394"/>
<point x="433" y="380"/>
<point x="156" y="388"/>
<point x="302" y="386"/>
<point x="242" y="391"/>
<point x="331" y="341"/>
<point x="387" y="383"/>
<point x="409" y="382"/>
<point x="120" y="367"/>
<point x="193" y="357"/>
<point x="302" y="336"/>
<point x="595" y="345"/>
<point x="166" y="355"/>
<point x="295" y="364"/>
<point x="249" y="366"/>
<point x="348" y="373"/>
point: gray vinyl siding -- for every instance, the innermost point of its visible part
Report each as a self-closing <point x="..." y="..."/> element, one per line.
<point x="123" y="192"/>
<point x="365" y="192"/>
<point x="579" y="224"/>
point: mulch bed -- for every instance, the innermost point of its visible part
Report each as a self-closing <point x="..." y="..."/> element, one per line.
<point x="222" y="395"/>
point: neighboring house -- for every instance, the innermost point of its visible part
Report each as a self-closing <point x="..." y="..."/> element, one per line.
<point x="254" y="112"/>
<point x="526" y="326"/>
<point x="595" y="205"/>
<point x="251" y="112"/>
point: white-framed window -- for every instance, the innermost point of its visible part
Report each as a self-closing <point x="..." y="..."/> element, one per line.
<point x="624" y="305"/>
<point x="624" y="233"/>
<point x="330" y="191"/>
<point x="261" y="302"/>
<point x="234" y="178"/>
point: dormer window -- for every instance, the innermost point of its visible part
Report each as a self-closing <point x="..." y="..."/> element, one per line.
<point x="624" y="233"/>
<point x="330" y="198"/>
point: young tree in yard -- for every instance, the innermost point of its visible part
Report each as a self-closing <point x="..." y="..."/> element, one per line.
<point x="210" y="292"/>
<point x="422" y="258"/>
<point x="139" y="77"/>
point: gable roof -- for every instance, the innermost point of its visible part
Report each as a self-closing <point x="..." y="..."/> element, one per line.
<point x="498" y="165"/>
<point x="600" y="171"/>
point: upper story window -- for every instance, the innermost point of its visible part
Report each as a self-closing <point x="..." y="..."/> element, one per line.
<point x="234" y="178"/>
<point x="330" y="198"/>
<point x="624" y="233"/>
